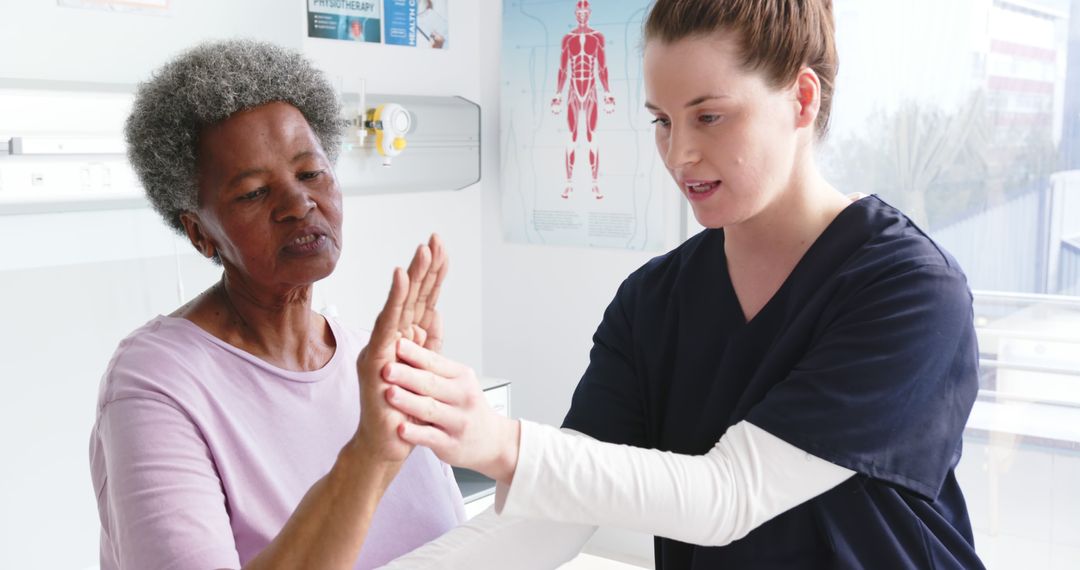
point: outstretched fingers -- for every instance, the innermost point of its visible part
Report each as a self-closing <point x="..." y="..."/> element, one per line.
<point x="418" y="270"/>
<point x="419" y="335"/>
<point x="426" y="315"/>
<point x="433" y="338"/>
<point x="428" y="295"/>
<point x="387" y="324"/>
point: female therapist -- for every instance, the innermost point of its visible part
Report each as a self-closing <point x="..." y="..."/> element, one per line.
<point x="786" y="389"/>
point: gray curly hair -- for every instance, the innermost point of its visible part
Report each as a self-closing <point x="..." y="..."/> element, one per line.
<point x="204" y="86"/>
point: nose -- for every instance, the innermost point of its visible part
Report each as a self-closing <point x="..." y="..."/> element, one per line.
<point x="294" y="202"/>
<point x="682" y="148"/>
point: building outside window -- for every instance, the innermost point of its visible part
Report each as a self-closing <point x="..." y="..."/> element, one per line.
<point x="966" y="115"/>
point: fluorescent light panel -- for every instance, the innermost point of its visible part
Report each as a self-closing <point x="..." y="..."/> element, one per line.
<point x="66" y="145"/>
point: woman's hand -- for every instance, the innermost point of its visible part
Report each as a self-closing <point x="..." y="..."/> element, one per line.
<point x="449" y="413"/>
<point x="409" y="312"/>
<point x="421" y="322"/>
<point x="375" y="433"/>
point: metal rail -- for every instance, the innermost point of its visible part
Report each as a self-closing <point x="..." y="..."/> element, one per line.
<point x="1023" y="335"/>
<point x="1064" y="300"/>
<point x="1062" y="370"/>
<point x="1014" y="397"/>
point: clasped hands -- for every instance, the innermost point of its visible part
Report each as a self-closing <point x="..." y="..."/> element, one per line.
<point x="412" y="395"/>
<point x="446" y="411"/>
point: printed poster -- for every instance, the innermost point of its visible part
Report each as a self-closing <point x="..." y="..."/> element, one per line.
<point x="350" y="20"/>
<point x="412" y="23"/>
<point x="417" y="23"/>
<point x="579" y="162"/>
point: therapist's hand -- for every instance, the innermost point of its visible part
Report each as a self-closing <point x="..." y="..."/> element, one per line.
<point x="448" y="413"/>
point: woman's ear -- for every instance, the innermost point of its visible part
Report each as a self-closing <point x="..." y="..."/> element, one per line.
<point x="807" y="97"/>
<point x="194" y="228"/>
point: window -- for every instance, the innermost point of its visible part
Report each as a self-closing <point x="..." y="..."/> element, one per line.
<point x="966" y="115"/>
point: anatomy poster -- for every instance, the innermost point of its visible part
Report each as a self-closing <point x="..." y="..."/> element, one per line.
<point x="579" y="166"/>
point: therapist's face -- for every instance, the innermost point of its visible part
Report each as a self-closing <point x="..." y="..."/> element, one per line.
<point x="728" y="139"/>
<point x="269" y="205"/>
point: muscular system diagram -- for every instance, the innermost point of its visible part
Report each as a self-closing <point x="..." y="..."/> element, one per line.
<point x="584" y="67"/>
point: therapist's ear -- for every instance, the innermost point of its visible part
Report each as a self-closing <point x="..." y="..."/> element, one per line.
<point x="807" y="88"/>
<point x="194" y="229"/>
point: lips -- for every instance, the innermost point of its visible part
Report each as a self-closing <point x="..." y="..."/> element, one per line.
<point x="702" y="187"/>
<point x="699" y="189"/>
<point x="306" y="241"/>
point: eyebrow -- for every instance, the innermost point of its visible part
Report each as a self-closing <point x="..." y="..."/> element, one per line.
<point x="692" y="102"/>
<point x="256" y="171"/>
<point x="245" y="174"/>
<point x="303" y="154"/>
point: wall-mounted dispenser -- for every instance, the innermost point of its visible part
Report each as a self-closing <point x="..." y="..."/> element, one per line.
<point x="389" y="123"/>
<point x="433" y="144"/>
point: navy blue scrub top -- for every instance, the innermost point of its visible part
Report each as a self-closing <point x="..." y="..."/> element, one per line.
<point x="865" y="357"/>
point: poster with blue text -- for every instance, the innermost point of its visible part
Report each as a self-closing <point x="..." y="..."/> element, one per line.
<point x="351" y="20"/>
<point x="579" y="165"/>
<point x="417" y="23"/>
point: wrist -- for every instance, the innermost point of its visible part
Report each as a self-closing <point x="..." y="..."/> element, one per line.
<point x="360" y="460"/>
<point x="506" y="460"/>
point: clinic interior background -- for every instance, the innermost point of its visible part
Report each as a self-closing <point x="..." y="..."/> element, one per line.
<point x="964" y="113"/>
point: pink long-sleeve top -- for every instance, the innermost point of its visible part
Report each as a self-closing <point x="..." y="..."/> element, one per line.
<point x="201" y="452"/>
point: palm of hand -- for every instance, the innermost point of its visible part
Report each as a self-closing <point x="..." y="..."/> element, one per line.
<point x="410" y="313"/>
<point x="378" y="422"/>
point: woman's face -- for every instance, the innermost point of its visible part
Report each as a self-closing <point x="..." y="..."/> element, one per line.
<point x="727" y="138"/>
<point x="269" y="204"/>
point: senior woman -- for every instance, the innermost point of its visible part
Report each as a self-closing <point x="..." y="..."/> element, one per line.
<point x="244" y="429"/>
<point x="787" y="389"/>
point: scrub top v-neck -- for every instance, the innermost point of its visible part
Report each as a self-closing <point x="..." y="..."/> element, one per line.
<point x="865" y="356"/>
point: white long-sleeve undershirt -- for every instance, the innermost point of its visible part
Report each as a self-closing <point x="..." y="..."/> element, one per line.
<point x="567" y="484"/>
<point x="492" y="542"/>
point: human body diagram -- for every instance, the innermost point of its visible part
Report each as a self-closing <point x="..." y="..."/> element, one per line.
<point x="583" y="65"/>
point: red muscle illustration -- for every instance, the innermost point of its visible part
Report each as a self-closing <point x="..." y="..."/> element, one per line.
<point x="582" y="63"/>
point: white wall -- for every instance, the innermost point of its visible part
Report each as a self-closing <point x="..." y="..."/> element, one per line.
<point x="44" y="41"/>
<point x="542" y="303"/>
<point x="525" y="313"/>
<point x="62" y="318"/>
<point x="382" y="230"/>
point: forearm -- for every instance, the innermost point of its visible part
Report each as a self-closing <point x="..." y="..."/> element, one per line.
<point x="492" y="542"/>
<point x="748" y="478"/>
<point x="329" y="525"/>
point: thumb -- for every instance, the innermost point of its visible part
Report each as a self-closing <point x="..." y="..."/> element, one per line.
<point x="386" y="324"/>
